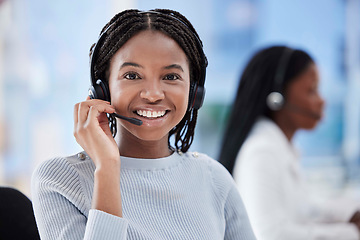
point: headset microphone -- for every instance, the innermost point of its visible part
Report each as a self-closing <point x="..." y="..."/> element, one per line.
<point x="93" y="95"/>
<point x="130" y="120"/>
<point x="303" y="111"/>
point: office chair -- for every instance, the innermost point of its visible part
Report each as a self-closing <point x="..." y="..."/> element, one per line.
<point x="17" y="219"/>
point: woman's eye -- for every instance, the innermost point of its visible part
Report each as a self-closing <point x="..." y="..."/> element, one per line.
<point x="171" y="77"/>
<point x="131" y="76"/>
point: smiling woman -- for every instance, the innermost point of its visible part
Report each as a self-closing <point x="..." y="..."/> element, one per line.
<point x="140" y="83"/>
<point x="147" y="68"/>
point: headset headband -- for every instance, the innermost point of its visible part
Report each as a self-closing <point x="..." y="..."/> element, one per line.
<point x="275" y="100"/>
<point x="281" y="68"/>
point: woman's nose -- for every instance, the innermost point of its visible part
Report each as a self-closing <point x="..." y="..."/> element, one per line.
<point x="152" y="91"/>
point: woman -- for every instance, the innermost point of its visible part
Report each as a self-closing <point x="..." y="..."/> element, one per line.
<point x="148" y="70"/>
<point x="277" y="96"/>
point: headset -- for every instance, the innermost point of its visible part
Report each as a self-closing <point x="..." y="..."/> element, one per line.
<point x="275" y="100"/>
<point x="100" y="90"/>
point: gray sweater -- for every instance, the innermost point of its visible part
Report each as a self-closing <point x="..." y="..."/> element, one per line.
<point x="183" y="196"/>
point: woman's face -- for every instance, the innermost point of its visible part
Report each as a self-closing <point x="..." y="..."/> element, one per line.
<point x="149" y="79"/>
<point x="304" y="105"/>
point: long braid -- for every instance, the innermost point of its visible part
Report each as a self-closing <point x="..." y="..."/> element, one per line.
<point x="125" y="25"/>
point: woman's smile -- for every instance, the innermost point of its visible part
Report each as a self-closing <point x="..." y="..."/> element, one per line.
<point x="151" y="114"/>
<point x="152" y="117"/>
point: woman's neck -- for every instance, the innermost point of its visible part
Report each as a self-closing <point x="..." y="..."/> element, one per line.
<point x="285" y="125"/>
<point x="137" y="148"/>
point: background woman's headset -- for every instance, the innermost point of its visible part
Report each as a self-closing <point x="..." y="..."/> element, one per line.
<point x="275" y="100"/>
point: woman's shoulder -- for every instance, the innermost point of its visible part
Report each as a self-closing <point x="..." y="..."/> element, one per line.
<point x="266" y="136"/>
<point x="68" y="176"/>
<point x="201" y="158"/>
<point x="216" y="169"/>
<point x="58" y="166"/>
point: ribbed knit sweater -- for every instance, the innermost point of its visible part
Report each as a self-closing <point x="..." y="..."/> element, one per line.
<point x="183" y="196"/>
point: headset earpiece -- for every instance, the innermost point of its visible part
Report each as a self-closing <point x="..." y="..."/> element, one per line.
<point x="196" y="96"/>
<point x="99" y="91"/>
<point x="275" y="100"/>
<point x="92" y="92"/>
<point x="197" y="90"/>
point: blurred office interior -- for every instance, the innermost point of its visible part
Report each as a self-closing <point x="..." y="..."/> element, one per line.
<point x="44" y="71"/>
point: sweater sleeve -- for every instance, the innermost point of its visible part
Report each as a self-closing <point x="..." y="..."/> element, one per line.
<point x="261" y="180"/>
<point x="237" y="224"/>
<point x="61" y="208"/>
<point x="237" y="221"/>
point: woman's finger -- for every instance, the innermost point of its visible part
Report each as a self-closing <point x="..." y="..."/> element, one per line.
<point x="85" y="106"/>
<point x="76" y="109"/>
<point x="96" y="110"/>
<point x="83" y="111"/>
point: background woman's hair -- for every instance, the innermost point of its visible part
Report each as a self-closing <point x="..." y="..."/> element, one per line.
<point x="126" y="24"/>
<point x="256" y="82"/>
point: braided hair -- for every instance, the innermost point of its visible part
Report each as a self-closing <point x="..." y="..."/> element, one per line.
<point x="125" y="25"/>
<point x="256" y="83"/>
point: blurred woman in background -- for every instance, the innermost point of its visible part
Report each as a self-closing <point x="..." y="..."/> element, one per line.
<point x="277" y="96"/>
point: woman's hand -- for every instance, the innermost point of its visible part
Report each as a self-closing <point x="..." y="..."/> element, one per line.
<point x="92" y="132"/>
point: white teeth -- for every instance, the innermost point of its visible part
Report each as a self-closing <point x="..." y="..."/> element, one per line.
<point x="150" y="114"/>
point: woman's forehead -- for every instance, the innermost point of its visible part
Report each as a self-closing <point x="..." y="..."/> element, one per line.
<point x="151" y="44"/>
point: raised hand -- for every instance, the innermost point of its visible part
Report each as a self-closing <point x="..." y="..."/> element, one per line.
<point x="92" y="132"/>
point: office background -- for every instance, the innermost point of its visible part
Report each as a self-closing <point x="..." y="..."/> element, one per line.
<point x="44" y="71"/>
